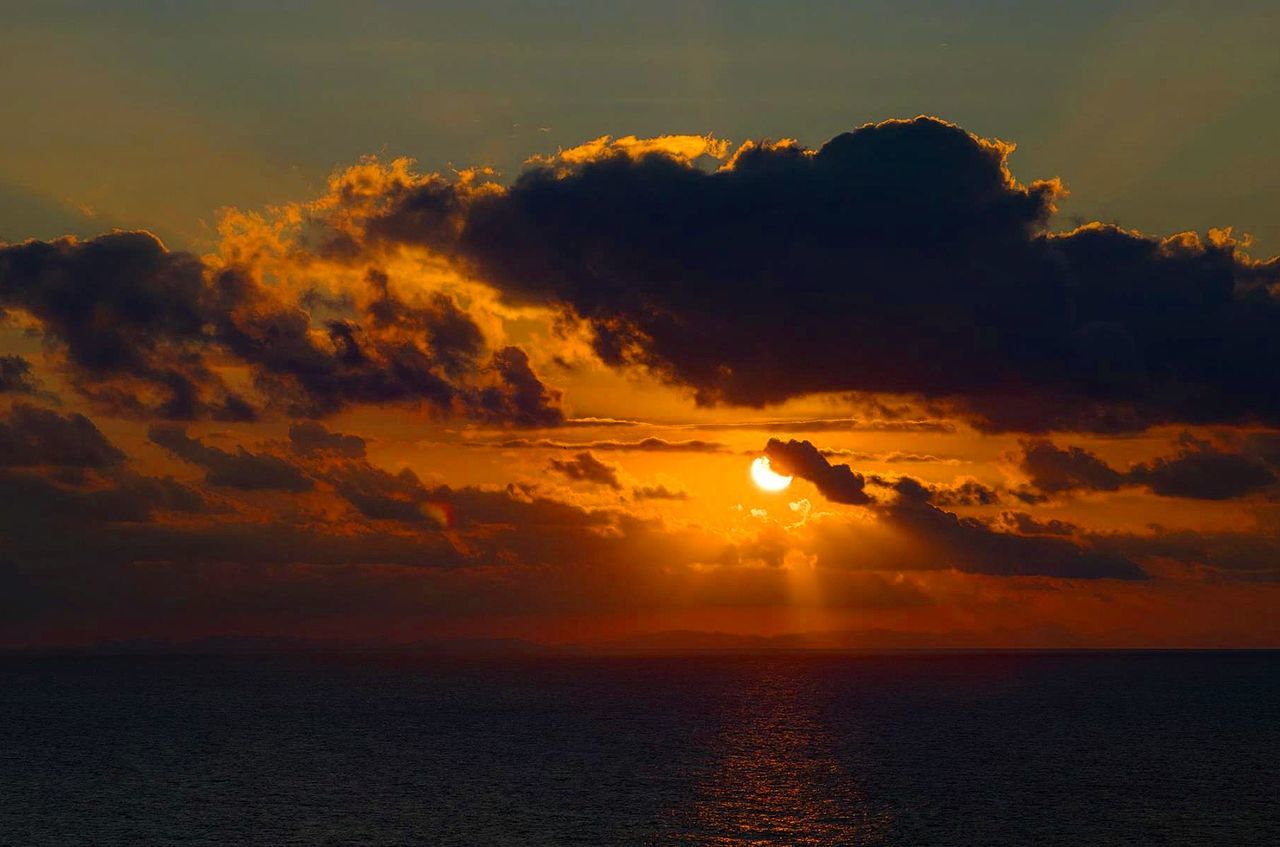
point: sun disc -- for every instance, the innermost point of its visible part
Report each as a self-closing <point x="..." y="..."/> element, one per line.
<point x="765" y="477"/>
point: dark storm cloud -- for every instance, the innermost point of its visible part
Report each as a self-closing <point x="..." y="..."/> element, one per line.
<point x="1025" y="524"/>
<point x="310" y="438"/>
<point x="962" y="492"/>
<point x="968" y="492"/>
<point x="124" y="307"/>
<point x="837" y="483"/>
<point x="1053" y="469"/>
<point x="969" y="544"/>
<point x="585" y="467"/>
<point x="31" y="437"/>
<point x="1241" y="555"/>
<point x="519" y="397"/>
<point x="56" y="467"/>
<point x="900" y="257"/>
<point x="138" y="324"/>
<point x="448" y="330"/>
<point x="382" y="496"/>
<point x="942" y="539"/>
<point x="241" y="469"/>
<point x="112" y="300"/>
<point x="1199" y="470"/>
<point x="77" y="504"/>
<point x="393" y="352"/>
<point x="16" y="376"/>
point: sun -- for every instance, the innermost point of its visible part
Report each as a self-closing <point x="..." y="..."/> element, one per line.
<point x="765" y="477"/>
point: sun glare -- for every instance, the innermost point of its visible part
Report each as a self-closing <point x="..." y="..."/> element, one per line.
<point x="764" y="476"/>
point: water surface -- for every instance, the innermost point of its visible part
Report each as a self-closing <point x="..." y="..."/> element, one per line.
<point x="900" y="749"/>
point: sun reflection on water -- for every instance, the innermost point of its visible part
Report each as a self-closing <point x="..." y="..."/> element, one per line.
<point x="773" y="776"/>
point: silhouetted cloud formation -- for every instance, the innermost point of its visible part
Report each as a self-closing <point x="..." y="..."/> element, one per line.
<point x="1199" y="470"/>
<point x="383" y="496"/>
<point x="1025" y="524"/>
<point x="968" y="492"/>
<point x="16" y="376"/>
<point x="943" y="538"/>
<point x="32" y="437"/>
<point x="838" y="483"/>
<point x="60" y="478"/>
<point x="311" y="438"/>
<point x="1053" y="469"/>
<point x="587" y="468"/>
<point x="241" y="469"/>
<point x="58" y="516"/>
<point x="128" y="313"/>
<point x="900" y="265"/>
<point x="138" y="324"/>
<point x="901" y="257"/>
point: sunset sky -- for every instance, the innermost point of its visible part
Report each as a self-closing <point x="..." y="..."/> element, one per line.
<point x="375" y="324"/>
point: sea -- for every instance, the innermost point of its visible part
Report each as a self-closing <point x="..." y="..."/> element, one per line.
<point x="376" y="748"/>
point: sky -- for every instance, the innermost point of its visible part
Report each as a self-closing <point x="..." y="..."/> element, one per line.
<point x="383" y="324"/>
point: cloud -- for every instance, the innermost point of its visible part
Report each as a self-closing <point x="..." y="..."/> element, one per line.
<point x="1199" y="470"/>
<point x="837" y="483"/>
<point x="103" y="550"/>
<point x="657" y="492"/>
<point x="806" y="425"/>
<point x="644" y="445"/>
<point x="1203" y="472"/>
<point x="687" y="148"/>
<point x="61" y="468"/>
<point x="934" y="538"/>
<point x="787" y="424"/>
<point x="519" y="397"/>
<point x="241" y="469"/>
<point x="961" y="492"/>
<point x="600" y="422"/>
<point x="587" y="468"/>
<point x="310" y="438"/>
<point x="122" y="307"/>
<point x="891" y="457"/>
<point x="16" y="376"/>
<point x="1053" y="469"/>
<point x="970" y="545"/>
<point x="901" y="257"/>
<point x="138" y="326"/>
<point x="32" y="437"/>
<point x="383" y="496"/>
<point x="76" y="504"/>
<point x="965" y="492"/>
<point x="1025" y="524"/>
<point x="1240" y="555"/>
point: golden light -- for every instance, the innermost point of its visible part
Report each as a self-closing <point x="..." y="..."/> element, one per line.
<point x="764" y="476"/>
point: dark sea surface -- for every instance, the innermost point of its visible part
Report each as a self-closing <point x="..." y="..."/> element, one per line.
<point x="379" y="749"/>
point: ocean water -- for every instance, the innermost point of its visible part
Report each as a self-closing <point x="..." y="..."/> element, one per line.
<point x="796" y="749"/>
